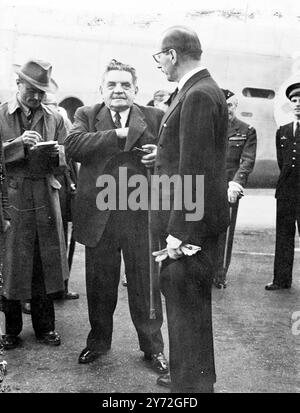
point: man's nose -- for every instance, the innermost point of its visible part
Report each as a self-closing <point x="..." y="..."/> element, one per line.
<point x="118" y="89"/>
<point x="36" y="95"/>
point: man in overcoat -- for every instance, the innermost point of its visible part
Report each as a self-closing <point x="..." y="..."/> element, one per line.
<point x="192" y="143"/>
<point x="287" y="194"/>
<point x="103" y="140"/>
<point x="35" y="263"/>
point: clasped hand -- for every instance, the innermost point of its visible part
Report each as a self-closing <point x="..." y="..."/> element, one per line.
<point x="149" y="159"/>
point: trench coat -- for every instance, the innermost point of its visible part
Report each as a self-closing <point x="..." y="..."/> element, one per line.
<point x="33" y="203"/>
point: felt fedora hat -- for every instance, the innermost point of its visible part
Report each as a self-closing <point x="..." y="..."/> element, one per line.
<point x="38" y="74"/>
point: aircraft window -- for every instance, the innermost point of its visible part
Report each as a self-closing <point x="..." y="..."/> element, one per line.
<point x="251" y="92"/>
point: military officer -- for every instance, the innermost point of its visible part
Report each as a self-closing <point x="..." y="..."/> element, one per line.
<point x="241" y="153"/>
<point x="287" y="194"/>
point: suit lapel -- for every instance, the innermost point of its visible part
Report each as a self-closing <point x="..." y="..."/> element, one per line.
<point x="104" y="120"/>
<point x="137" y="126"/>
<point x="180" y="95"/>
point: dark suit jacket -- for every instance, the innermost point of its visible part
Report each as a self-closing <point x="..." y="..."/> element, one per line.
<point x="93" y="142"/>
<point x="192" y="141"/>
<point x="288" y="184"/>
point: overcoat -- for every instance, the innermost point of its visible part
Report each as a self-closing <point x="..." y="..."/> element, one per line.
<point x="33" y="203"/>
<point x="192" y="141"/>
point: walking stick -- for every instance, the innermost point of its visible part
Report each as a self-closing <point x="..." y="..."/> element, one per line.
<point x="151" y="266"/>
<point x="230" y="235"/>
<point x="2" y="313"/>
<point x="71" y="250"/>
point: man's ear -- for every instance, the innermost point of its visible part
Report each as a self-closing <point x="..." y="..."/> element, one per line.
<point x="174" y="57"/>
<point x="100" y="88"/>
<point x="136" y="89"/>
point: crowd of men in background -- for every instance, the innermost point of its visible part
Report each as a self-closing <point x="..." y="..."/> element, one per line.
<point x="191" y="131"/>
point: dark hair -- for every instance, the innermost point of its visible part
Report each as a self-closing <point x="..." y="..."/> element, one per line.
<point x="184" y="40"/>
<point x="115" y="65"/>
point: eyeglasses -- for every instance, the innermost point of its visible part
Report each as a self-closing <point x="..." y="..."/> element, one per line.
<point x="156" y="55"/>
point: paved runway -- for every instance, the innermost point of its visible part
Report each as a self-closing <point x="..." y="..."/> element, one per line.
<point x="257" y="338"/>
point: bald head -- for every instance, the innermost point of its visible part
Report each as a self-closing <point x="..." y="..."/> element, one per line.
<point x="184" y="40"/>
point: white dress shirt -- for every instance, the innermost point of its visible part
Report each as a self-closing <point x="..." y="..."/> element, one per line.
<point x="124" y="116"/>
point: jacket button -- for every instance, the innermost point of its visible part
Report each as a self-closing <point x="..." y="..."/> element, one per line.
<point x="293" y="158"/>
<point x="165" y="125"/>
<point x="294" y="150"/>
<point x="293" y="166"/>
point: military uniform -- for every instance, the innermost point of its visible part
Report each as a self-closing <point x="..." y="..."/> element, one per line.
<point x="241" y="153"/>
<point x="288" y="202"/>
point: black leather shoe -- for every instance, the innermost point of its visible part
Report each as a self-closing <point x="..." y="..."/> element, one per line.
<point x="88" y="356"/>
<point x="158" y="362"/>
<point x="164" y="380"/>
<point x="51" y="338"/>
<point x="274" y="286"/>
<point x="9" y="341"/>
<point x="70" y="295"/>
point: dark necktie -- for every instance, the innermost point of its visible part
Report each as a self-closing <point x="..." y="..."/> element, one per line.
<point x="117" y="120"/>
<point x="297" y="132"/>
<point x="29" y="117"/>
<point x="118" y="124"/>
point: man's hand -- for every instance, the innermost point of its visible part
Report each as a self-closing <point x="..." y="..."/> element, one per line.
<point x="122" y="132"/>
<point x="173" y="253"/>
<point x="53" y="151"/>
<point x="235" y="191"/>
<point x="149" y="159"/>
<point x="6" y="225"/>
<point x="30" y="138"/>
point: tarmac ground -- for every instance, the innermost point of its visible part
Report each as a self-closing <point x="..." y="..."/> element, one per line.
<point x="256" y="332"/>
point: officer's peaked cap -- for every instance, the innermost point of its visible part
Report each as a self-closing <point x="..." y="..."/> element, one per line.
<point x="293" y="90"/>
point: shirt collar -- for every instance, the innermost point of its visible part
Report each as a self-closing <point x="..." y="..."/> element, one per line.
<point x="15" y="104"/>
<point x="124" y="116"/>
<point x="188" y="75"/>
<point x="295" y="124"/>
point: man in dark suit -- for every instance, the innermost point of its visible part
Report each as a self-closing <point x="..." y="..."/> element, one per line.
<point x="103" y="139"/>
<point x="287" y="194"/>
<point x="192" y="142"/>
<point x="240" y="160"/>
